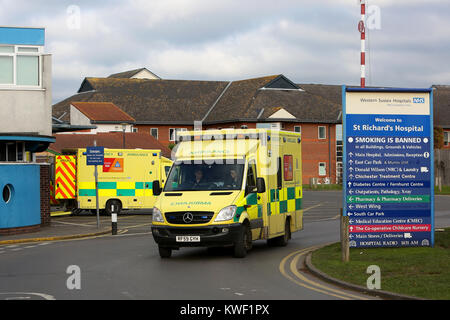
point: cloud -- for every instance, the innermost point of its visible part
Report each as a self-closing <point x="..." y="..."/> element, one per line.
<point x="308" y="41"/>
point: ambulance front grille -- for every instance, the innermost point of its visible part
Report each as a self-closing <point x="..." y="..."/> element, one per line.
<point x="195" y="217"/>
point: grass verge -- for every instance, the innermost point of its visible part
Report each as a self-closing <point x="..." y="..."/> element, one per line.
<point x="445" y="190"/>
<point x="421" y="272"/>
<point x="322" y="187"/>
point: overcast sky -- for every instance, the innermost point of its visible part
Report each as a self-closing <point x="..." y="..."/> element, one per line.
<point x="309" y="41"/>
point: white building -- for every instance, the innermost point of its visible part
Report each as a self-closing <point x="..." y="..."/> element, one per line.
<point x="106" y="116"/>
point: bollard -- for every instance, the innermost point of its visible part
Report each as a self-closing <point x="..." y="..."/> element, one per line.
<point x="113" y="220"/>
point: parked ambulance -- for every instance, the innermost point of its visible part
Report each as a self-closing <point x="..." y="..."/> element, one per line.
<point x="230" y="188"/>
<point x="124" y="181"/>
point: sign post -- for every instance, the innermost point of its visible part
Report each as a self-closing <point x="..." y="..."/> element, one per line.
<point x="95" y="157"/>
<point x="388" y="166"/>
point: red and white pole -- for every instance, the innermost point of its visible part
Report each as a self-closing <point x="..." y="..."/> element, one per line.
<point x="362" y="30"/>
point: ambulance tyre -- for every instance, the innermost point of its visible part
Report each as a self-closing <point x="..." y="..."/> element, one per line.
<point x="165" y="252"/>
<point x="244" y="242"/>
<point x="109" y="205"/>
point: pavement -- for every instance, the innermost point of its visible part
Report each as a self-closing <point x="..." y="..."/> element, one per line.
<point x="83" y="225"/>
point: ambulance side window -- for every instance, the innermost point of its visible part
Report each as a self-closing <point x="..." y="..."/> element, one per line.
<point x="251" y="178"/>
<point x="279" y="174"/>
<point x="166" y="170"/>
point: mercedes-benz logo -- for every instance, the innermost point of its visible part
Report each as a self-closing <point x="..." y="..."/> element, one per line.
<point x="188" y="217"/>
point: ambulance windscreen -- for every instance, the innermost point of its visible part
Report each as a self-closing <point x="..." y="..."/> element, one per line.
<point x="205" y="175"/>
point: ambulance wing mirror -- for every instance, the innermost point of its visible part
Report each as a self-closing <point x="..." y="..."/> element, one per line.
<point x="156" y="188"/>
<point x="260" y="185"/>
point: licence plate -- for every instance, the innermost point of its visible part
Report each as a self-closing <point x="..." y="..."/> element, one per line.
<point x="188" y="239"/>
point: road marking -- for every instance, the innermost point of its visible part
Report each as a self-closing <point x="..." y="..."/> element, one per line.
<point x="295" y="271"/>
<point x="312" y="207"/>
<point x="328" y="219"/>
<point x="284" y="273"/>
<point x="139" y="225"/>
<point x="307" y="283"/>
<point x="42" y="295"/>
<point x="73" y="224"/>
<point x="132" y="234"/>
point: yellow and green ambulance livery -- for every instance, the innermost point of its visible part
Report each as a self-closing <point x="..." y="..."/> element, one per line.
<point x="229" y="188"/>
<point x="125" y="180"/>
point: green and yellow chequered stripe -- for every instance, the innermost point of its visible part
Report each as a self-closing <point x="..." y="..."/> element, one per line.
<point x="286" y="199"/>
<point x="116" y="189"/>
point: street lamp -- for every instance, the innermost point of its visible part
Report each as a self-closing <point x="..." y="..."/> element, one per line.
<point x="124" y="127"/>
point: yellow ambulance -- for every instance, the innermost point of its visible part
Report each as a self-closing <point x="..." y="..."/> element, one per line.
<point x="229" y="188"/>
<point x="125" y="180"/>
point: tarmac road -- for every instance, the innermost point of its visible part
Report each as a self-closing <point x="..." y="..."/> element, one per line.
<point x="128" y="266"/>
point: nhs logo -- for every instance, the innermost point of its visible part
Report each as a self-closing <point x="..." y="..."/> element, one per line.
<point x="418" y="100"/>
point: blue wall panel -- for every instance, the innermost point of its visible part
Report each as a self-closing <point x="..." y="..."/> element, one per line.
<point x="24" y="207"/>
<point x="25" y="36"/>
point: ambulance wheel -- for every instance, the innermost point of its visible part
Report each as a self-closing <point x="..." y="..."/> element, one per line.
<point x="109" y="206"/>
<point x="76" y="211"/>
<point x="165" y="252"/>
<point x="244" y="242"/>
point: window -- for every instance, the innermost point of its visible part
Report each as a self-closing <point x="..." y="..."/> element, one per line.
<point x="135" y="129"/>
<point x="154" y="132"/>
<point x="27" y="70"/>
<point x="339" y="132"/>
<point x="446" y="138"/>
<point x="223" y="175"/>
<point x="279" y="175"/>
<point x="7" y="191"/>
<point x="173" y="133"/>
<point x="251" y="177"/>
<point x="20" y="65"/>
<point x="298" y="129"/>
<point x="322" y="169"/>
<point x="322" y="132"/>
<point x="12" y="151"/>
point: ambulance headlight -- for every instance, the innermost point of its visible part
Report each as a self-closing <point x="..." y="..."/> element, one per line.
<point x="157" y="215"/>
<point x="226" y="213"/>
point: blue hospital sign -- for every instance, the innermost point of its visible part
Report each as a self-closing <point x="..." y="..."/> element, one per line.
<point x="388" y="167"/>
<point x="95" y="156"/>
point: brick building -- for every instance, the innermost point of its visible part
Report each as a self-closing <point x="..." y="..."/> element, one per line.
<point x="441" y="103"/>
<point x="163" y="107"/>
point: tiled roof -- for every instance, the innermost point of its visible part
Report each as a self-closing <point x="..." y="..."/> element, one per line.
<point x="183" y="101"/>
<point x="441" y="103"/>
<point x="245" y="100"/>
<point x="112" y="140"/>
<point x="126" y="74"/>
<point x="102" y="111"/>
<point x="149" y="100"/>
